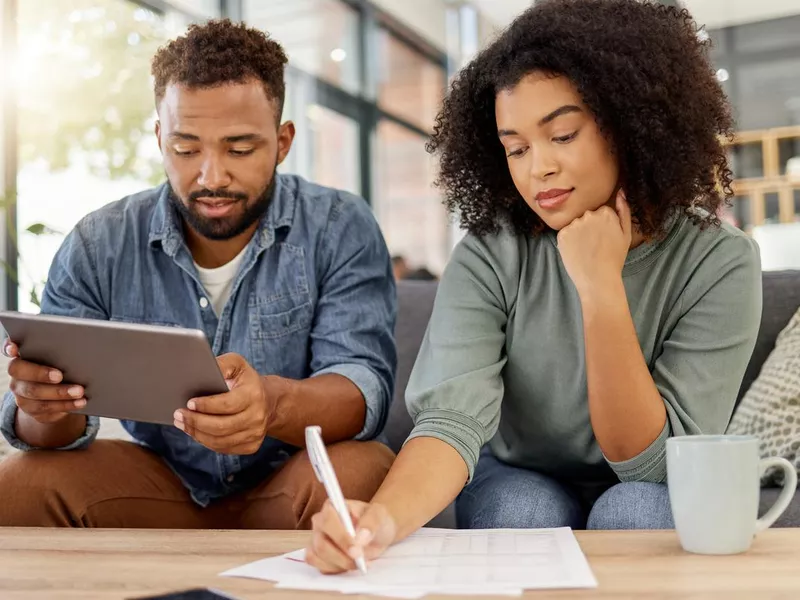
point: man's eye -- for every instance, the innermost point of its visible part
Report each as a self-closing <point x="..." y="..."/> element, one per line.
<point x="246" y="152"/>
<point x="183" y="152"/>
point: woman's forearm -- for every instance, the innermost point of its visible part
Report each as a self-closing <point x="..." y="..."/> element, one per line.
<point x="626" y="409"/>
<point x="426" y="477"/>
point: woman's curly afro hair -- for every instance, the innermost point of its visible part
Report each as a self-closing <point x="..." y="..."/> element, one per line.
<point x="645" y="74"/>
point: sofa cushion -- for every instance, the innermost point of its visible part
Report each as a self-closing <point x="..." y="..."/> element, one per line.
<point x="790" y="517"/>
<point x="771" y="407"/>
<point x="781" y="300"/>
<point x="414" y="307"/>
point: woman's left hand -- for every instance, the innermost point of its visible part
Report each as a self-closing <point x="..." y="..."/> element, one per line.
<point x="594" y="246"/>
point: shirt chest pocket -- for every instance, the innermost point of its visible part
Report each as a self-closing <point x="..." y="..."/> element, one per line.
<point x="267" y="324"/>
<point x="281" y="312"/>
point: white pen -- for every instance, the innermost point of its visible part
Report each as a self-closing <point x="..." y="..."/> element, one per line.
<point x="325" y="473"/>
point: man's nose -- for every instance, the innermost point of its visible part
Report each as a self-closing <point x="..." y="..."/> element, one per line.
<point x="213" y="175"/>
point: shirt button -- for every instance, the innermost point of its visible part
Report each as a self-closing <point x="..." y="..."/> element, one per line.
<point x="229" y="478"/>
<point x="203" y="302"/>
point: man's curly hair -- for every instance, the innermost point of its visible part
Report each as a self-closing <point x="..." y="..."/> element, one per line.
<point x="219" y="52"/>
<point x="643" y="72"/>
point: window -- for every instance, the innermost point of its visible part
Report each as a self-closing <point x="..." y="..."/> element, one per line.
<point x="409" y="84"/>
<point x="6" y="90"/>
<point x="326" y="149"/>
<point x="319" y="36"/>
<point x="774" y="34"/>
<point x="207" y="8"/>
<point x="755" y="57"/>
<point x="86" y="118"/>
<point x="408" y="208"/>
<point x="781" y="106"/>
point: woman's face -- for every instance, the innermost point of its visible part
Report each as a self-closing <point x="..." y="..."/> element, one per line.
<point x="560" y="162"/>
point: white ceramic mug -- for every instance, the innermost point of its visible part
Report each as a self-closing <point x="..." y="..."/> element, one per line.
<point x="714" y="489"/>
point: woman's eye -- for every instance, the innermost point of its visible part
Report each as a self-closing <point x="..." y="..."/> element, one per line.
<point x="516" y="152"/>
<point x="565" y="138"/>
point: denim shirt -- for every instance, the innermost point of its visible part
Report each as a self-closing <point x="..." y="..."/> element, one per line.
<point x="314" y="295"/>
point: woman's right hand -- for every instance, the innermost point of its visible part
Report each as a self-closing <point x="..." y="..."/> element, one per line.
<point x="333" y="550"/>
<point x="39" y="390"/>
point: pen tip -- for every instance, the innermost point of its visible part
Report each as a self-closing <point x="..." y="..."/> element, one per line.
<point x="362" y="565"/>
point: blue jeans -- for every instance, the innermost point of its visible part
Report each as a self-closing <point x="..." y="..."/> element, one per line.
<point x="501" y="496"/>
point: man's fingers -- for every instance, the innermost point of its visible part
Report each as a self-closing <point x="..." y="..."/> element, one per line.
<point x="229" y="403"/>
<point x="240" y="442"/>
<point x="10" y="349"/>
<point x="245" y="449"/>
<point x="45" y="391"/>
<point x="28" y="371"/>
<point x="33" y="406"/>
<point x="214" y="425"/>
<point x="231" y="365"/>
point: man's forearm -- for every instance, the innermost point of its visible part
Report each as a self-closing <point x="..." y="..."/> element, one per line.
<point x="626" y="409"/>
<point x="49" y="435"/>
<point x="331" y="401"/>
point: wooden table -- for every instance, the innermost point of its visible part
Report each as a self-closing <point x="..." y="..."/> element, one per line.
<point x="49" y="564"/>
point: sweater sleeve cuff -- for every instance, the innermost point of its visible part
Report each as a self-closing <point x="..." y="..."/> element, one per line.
<point x="8" y="418"/>
<point x="463" y="433"/>
<point x="650" y="464"/>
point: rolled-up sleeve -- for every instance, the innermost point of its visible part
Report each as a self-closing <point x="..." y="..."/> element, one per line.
<point x="8" y="419"/>
<point x="353" y="330"/>
<point x="456" y="387"/>
<point x="703" y="361"/>
<point x="71" y="290"/>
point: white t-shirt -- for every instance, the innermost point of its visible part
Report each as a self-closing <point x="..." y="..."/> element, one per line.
<point x="218" y="282"/>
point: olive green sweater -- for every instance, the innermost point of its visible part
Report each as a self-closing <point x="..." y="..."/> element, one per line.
<point x="503" y="357"/>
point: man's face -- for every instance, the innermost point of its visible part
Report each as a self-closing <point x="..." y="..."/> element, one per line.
<point x="221" y="147"/>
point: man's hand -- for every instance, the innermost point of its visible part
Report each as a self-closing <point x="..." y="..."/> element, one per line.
<point x="235" y="422"/>
<point x="594" y="247"/>
<point x="39" y="391"/>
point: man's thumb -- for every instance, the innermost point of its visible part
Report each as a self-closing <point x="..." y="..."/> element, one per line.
<point x="230" y="365"/>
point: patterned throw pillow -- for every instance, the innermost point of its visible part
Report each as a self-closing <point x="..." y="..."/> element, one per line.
<point x="770" y="409"/>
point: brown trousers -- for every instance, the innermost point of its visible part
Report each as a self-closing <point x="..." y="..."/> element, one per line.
<point x="120" y="484"/>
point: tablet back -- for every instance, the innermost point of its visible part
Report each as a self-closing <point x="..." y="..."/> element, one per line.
<point x="130" y="371"/>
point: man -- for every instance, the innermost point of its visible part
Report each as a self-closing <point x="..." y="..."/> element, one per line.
<point x="291" y="283"/>
<point x="400" y="267"/>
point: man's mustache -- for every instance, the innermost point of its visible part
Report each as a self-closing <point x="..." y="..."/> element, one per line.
<point x="206" y="193"/>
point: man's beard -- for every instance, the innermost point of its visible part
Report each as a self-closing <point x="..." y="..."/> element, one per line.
<point x="223" y="228"/>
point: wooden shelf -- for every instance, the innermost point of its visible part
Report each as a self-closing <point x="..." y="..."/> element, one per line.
<point x="756" y="189"/>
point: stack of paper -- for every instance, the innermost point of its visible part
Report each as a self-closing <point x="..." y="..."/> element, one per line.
<point x="445" y="561"/>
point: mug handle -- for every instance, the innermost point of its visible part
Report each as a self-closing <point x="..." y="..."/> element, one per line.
<point x="789" y="488"/>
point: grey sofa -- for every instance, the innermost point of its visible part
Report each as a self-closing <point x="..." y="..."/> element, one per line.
<point x="781" y="300"/>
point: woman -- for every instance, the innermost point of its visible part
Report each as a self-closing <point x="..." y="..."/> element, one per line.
<point x="597" y="306"/>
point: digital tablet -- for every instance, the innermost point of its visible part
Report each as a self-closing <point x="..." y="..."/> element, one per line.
<point x="129" y="371"/>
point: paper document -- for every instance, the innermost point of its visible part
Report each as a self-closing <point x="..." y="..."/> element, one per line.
<point x="446" y="561"/>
